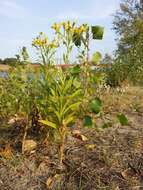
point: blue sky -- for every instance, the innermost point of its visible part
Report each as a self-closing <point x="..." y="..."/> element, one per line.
<point x="22" y="20"/>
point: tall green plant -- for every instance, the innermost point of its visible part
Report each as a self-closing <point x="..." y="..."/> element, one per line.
<point x="63" y="104"/>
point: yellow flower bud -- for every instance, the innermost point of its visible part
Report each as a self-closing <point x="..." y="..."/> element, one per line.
<point x="53" y="44"/>
<point x="67" y="26"/>
<point x="77" y="30"/>
<point x="82" y="29"/>
<point x="56" y="27"/>
<point x="40" y="41"/>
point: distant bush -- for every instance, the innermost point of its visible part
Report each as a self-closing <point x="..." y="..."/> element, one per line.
<point x="119" y="72"/>
<point x="10" y="61"/>
<point x="116" y="74"/>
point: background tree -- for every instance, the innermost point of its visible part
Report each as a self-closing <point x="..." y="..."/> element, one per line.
<point x="107" y="59"/>
<point x="1" y="61"/>
<point x="128" y="24"/>
<point x="10" y="61"/>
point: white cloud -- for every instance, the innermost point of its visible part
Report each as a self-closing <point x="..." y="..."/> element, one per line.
<point x="10" y="9"/>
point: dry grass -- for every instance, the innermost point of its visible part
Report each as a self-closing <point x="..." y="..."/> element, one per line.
<point x="4" y="67"/>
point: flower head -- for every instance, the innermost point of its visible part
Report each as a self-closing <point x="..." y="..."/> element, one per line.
<point x="40" y="41"/>
<point x="67" y="26"/>
<point x="56" y="27"/>
<point x="53" y="44"/>
<point x="82" y="29"/>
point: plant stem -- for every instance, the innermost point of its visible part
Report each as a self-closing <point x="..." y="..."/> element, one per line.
<point x="62" y="131"/>
<point x="25" y="135"/>
<point x="24" y="138"/>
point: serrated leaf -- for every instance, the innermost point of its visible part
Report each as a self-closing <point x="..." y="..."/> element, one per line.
<point x="122" y="119"/>
<point x="97" y="32"/>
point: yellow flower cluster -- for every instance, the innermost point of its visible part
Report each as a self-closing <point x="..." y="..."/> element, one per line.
<point x="56" y="27"/>
<point x="53" y="44"/>
<point x="69" y="27"/>
<point x="80" y="30"/>
<point x="40" y="41"/>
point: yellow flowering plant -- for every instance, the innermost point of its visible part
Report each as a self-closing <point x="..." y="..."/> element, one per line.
<point x="45" y="48"/>
<point x="69" y="34"/>
<point x="56" y="27"/>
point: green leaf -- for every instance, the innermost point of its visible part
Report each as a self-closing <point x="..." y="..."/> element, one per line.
<point x="96" y="57"/>
<point x="77" y="39"/>
<point x="75" y="70"/>
<point x="122" y="119"/>
<point x="58" y="115"/>
<point x="71" y="107"/>
<point x="48" y="123"/>
<point x="87" y="122"/>
<point x="97" y="32"/>
<point x="67" y="86"/>
<point x="76" y="84"/>
<point x="97" y="77"/>
<point x="96" y="105"/>
<point x="75" y="95"/>
<point x="64" y="58"/>
<point x="69" y="119"/>
<point x="106" y="125"/>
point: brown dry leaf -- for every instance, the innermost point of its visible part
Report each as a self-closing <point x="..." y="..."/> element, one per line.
<point x="76" y="132"/>
<point x="57" y="176"/>
<point x="29" y="145"/>
<point x="127" y="173"/>
<point x="6" y="152"/>
<point x="33" y="151"/>
<point x="84" y="138"/>
<point x="117" y="188"/>
<point x="53" y="181"/>
<point x="46" y="142"/>
<point x="90" y="146"/>
<point x="78" y="135"/>
<point x="124" y="174"/>
<point x="11" y="121"/>
<point x="49" y="182"/>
